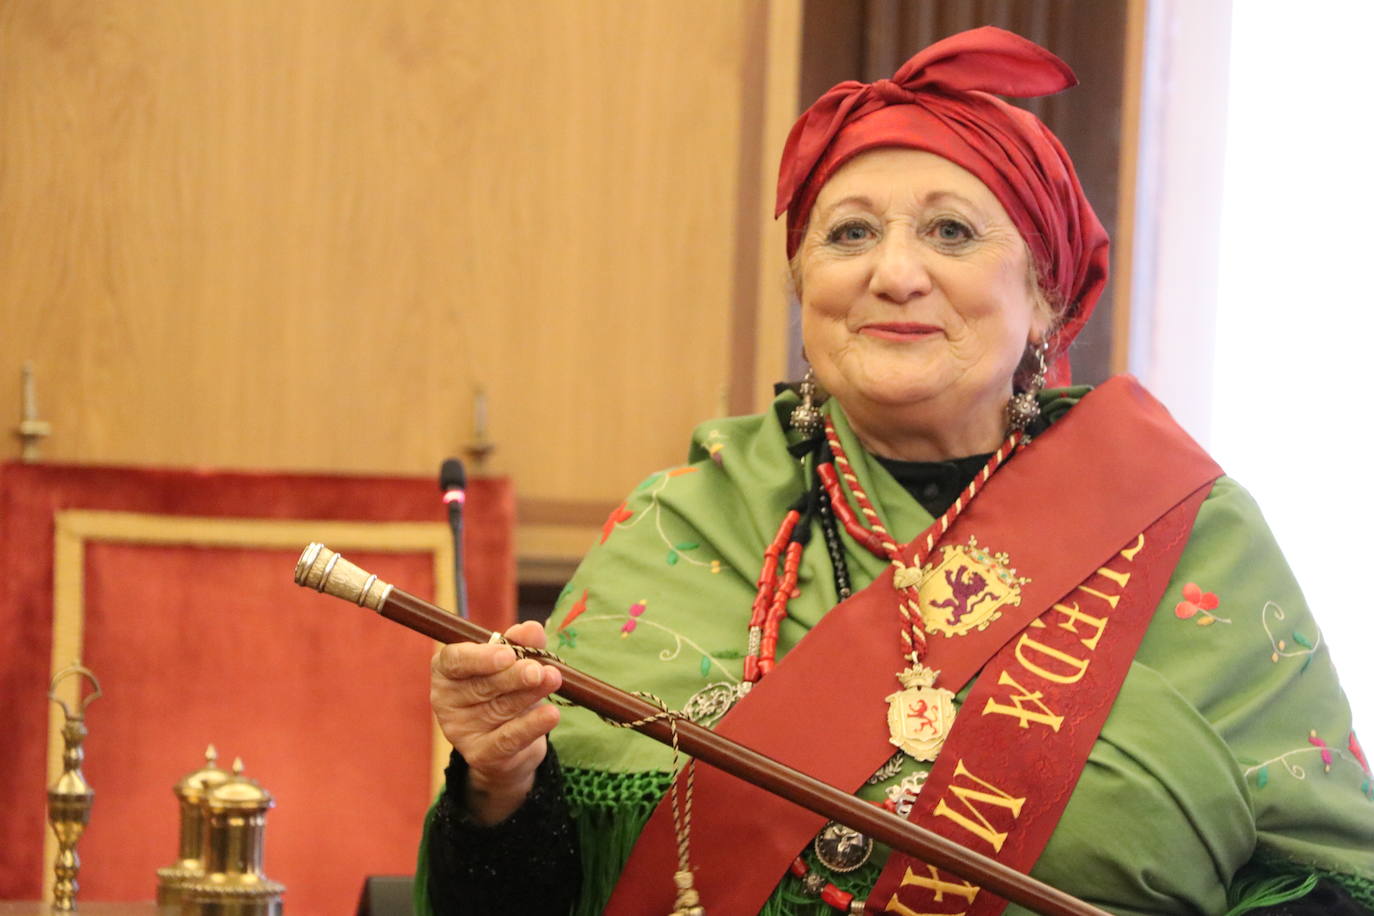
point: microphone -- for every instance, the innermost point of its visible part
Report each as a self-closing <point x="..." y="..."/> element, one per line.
<point x="453" y="481"/>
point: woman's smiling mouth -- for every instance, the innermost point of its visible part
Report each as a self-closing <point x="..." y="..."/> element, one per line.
<point x="899" y="330"/>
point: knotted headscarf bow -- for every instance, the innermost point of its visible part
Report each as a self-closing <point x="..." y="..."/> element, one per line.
<point x="938" y="101"/>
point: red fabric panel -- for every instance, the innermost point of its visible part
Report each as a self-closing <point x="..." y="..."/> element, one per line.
<point x="326" y="703"/>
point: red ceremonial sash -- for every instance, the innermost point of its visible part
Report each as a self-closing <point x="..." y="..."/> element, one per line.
<point x="1022" y="736"/>
<point x="1067" y="505"/>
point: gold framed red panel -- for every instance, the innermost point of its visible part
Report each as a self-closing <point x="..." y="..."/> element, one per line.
<point x="198" y="634"/>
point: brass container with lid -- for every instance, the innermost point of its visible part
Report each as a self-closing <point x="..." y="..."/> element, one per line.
<point x="233" y="883"/>
<point x="190" y="865"/>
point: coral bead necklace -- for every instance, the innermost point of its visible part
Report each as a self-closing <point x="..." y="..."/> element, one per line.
<point x="777" y="584"/>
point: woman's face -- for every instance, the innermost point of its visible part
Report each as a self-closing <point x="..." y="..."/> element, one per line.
<point x="917" y="303"/>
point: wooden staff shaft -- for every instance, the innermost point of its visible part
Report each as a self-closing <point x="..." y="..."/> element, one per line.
<point x="325" y="571"/>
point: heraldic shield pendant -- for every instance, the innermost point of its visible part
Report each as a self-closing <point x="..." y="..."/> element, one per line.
<point x="966" y="587"/>
<point x="920" y="716"/>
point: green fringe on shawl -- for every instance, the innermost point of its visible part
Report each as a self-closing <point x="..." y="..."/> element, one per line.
<point x="1362" y="889"/>
<point x="1270" y="880"/>
<point x="1255" y="891"/>
<point x="610" y="810"/>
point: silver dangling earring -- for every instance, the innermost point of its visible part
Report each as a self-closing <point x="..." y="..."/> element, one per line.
<point x="806" y="416"/>
<point x="1023" y="408"/>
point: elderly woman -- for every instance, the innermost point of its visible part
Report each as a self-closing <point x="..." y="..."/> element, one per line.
<point x="1036" y="621"/>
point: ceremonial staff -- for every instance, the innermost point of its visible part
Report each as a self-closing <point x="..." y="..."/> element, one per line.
<point x="326" y="571"/>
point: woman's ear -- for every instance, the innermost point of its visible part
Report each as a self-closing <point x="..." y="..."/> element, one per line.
<point x="1044" y="321"/>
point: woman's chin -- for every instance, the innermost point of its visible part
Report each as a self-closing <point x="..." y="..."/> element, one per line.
<point x="944" y="388"/>
<point x="903" y="404"/>
<point x="895" y="396"/>
<point x="889" y="401"/>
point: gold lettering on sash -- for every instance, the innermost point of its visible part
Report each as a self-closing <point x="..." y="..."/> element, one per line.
<point x="1075" y="616"/>
<point x="1130" y="552"/>
<point x="1019" y="709"/>
<point x="1110" y="599"/>
<point x="1118" y="577"/>
<point x="936" y="885"/>
<point x="967" y="795"/>
<point x="1077" y="666"/>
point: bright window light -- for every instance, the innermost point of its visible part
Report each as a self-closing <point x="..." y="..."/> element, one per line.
<point x="1294" y="363"/>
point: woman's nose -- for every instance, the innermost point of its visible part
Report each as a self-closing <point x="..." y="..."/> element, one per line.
<point x="899" y="272"/>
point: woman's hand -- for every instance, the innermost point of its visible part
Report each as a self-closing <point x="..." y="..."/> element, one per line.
<point x="490" y="707"/>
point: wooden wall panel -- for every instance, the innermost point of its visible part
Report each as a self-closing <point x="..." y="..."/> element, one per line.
<point x="300" y="233"/>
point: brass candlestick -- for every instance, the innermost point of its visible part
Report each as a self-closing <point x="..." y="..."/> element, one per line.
<point x="190" y="865"/>
<point x="70" y="797"/>
<point x="234" y="883"/>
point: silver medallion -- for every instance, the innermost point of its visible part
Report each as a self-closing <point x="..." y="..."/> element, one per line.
<point x="712" y="702"/>
<point x="840" y="848"/>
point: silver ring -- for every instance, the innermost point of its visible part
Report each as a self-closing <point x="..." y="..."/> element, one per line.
<point x="367" y="587"/>
<point x="328" y="568"/>
<point x="307" y="561"/>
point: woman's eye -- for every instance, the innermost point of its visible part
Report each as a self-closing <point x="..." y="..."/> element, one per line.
<point x="850" y="233"/>
<point x="952" y="231"/>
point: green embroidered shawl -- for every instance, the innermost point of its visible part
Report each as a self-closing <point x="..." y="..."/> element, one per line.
<point x="1229" y="743"/>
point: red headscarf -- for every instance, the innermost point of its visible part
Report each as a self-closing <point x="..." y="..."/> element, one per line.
<point x="938" y="102"/>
